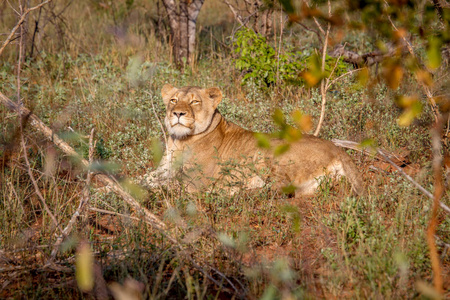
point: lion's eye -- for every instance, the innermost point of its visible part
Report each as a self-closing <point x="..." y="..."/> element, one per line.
<point x="195" y="102"/>
<point x="173" y="101"/>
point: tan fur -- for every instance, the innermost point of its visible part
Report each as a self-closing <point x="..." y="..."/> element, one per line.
<point x="202" y="141"/>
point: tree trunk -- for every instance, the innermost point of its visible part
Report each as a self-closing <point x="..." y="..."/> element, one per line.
<point x="182" y="21"/>
<point x="193" y="12"/>
<point x="184" y="53"/>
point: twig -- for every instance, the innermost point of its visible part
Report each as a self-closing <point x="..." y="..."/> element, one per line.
<point x="343" y="75"/>
<point x="235" y="13"/>
<point x="83" y="202"/>
<point x="279" y="47"/>
<point x="312" y="30"/>
<point x="181" y="248"/>
<point x="212" y="279"/>
<point x="35" y="185"/>
<point x="415" y="183"/>
<point x="387" y="157"/>
<point x="49" y="134"/>
<point x="108" y="212"/>
<point x="22" y="139"/>
<point x="438" y="193"/>
<point x="323" y="89"/>
<point x="21" y="20"/>
<point x="315" y="20"/>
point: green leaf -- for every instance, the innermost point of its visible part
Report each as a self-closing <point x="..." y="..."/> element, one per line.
<point x="157" y="149"/>
<point x="278" y="117"/>
<point x="280" y="149"/>
<point x="290" y="189"/>
<point x="410" y="114"/>
<point x="135" y="190"/>
<point x="84" y="267"/>
<point x="368" y="143"/>
<point x="434" y="52"/>
<point x="263" y="140"/>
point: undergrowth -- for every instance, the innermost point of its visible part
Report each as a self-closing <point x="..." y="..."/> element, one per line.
<point x="268" y="245"/>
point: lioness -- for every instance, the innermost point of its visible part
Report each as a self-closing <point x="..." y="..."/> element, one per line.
<point x="202" y="142"/>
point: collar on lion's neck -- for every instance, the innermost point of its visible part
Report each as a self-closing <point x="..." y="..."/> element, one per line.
<point x="216" y="119"/>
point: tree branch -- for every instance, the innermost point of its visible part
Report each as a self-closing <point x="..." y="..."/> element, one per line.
<point x="83" y="202"/>
<point x="21" y="20"/>
<point x="387" y="157"/>
<point x="49" y="134"/>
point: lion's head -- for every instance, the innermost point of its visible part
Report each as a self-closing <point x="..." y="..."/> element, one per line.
<point x="189" y="110"/>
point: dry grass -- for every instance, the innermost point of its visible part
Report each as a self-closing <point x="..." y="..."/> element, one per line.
<point x="93" y="70"/>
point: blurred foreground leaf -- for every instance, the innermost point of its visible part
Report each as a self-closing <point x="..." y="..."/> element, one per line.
<point x="135" y="190"/>
<point x="226" y="240"/>
<point x="427" y="290"/>
<point x="280" y="149"/>
<point x="393" y="74"/>
<point x="290" y="189"/>
<point x="263" y="140"/>
<point x="412" y="108"/>
<point x="434" y="52"/>
<point x="84" y="267"/>
<point x="278" y="117"/>
<point x="304" y="122"/>
<point x="424" y="77"/>
<point x="157" y="150"/>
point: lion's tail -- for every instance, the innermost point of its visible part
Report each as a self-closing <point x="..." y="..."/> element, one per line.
<point x="352" y="173"/>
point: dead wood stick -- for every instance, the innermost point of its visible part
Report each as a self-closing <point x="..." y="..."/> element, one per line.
<point x="323" y="84"/>
<point x="83" y="202"/>
<point x="49" y="134"/>
<point x="387" y="157"/>
<point x="149" y="217"/>
<point x="108" y="212"/>
<point x="21" y="20"/>
<point x="436" y="143"/>
<point x="22" y="139"/>
<point x="237" y="16"/>
<point x="368" y="151"/>
<point x="35" y="185"/>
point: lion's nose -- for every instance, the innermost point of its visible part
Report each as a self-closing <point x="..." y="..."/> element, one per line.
<point x="179" y="113"/>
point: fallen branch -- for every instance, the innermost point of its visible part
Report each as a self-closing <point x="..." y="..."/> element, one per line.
<point x="386" y="156"/>
<point x="113" y="213"/>
<point x="378" y="153"/>
<point x="21" y="121"/>
<point x="360" y="60"/>
<point x="83" y="202"/>
<point x="35" y="185"/>
<point x="148" y="216"/>
<point x="49" y="134"/>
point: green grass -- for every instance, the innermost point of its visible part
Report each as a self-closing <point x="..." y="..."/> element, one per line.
<point x="268" y="245"/>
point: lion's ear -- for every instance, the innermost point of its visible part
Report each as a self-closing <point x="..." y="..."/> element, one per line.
<point x="215" y="94"/>
<point x="166" y="92"/>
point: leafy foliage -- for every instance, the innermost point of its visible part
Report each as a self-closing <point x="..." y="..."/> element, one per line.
<point x="260" y="62"/>
<point x="271" y="249"/>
